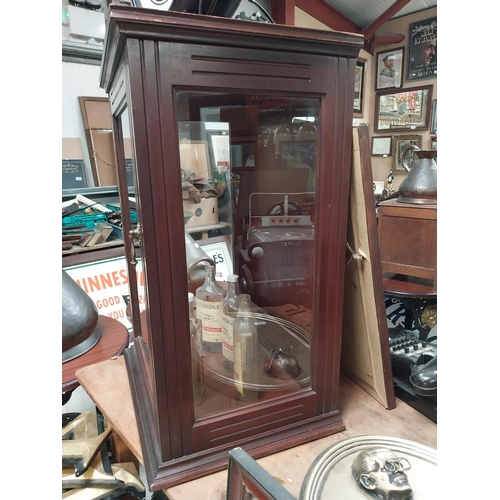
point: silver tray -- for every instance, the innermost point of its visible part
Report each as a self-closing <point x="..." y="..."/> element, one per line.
<point x="330" y="476"/>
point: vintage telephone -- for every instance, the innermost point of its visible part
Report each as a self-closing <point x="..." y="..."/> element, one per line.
<point x="414" y="363"/>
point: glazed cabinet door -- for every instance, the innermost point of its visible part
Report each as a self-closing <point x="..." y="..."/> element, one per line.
<point x="130" y="222"/>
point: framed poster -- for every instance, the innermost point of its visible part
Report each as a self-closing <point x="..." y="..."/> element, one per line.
<point x="408" y="109"/>
<point x="399" y="144"/>
<point x="359" y="87"/>
<point x="217" y="248"/>
<point x="389" y="73"/>
<point x="381" y="146"/>
<point x="422" y="50"/>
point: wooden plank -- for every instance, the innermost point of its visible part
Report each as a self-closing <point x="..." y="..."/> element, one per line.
<point x="365" y="338"/>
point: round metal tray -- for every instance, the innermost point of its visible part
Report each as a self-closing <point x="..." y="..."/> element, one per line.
<point x="330" y="476"/>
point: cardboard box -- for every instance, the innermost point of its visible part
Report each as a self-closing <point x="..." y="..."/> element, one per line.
<point x="205" y="213"/>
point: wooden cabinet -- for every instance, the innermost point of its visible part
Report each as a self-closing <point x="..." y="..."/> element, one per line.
<point x="171" y="79"/>
<point x="408" y="246"/>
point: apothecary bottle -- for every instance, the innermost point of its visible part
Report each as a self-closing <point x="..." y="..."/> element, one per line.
<point x="196" y="351"/>
<point x="209" y="298"/>
<point x="230" y="306"/>
<point x="245" y="341"/>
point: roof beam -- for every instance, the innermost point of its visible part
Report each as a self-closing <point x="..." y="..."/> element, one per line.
<point x="283" y="12"/>
<point x="369" y="31"/>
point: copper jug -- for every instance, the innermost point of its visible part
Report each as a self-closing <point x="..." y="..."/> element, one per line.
<point x="420" y="185"/>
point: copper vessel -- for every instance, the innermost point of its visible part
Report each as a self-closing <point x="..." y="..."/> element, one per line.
<point x="80" y="331"/>
<point x="420" y="185"/>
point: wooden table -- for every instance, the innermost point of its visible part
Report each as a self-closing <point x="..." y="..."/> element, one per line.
<point x="114" y="340"/>
<point x="108" y="386"/>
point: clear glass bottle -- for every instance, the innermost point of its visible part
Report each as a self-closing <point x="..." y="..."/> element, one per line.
<point x="245" y="341"/>
<point x="196" y="352"/>
<point x="209" y="310"/>
<point x="230" y="307"/>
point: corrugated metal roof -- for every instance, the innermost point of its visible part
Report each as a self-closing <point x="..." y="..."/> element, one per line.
<point x="364" y="12"/>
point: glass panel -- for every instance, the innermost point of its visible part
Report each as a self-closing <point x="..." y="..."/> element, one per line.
<point x="248" y="169"/>
<point x="127" y="224"/>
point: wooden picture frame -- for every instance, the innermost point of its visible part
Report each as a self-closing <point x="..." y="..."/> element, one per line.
<point x="247" y="478"/>
<point x="399" y="144"/>
<point x="434" y="117"/>
<point x="381" y="146"/>
<point x="359" y="87"/>
<point x="407" y="109"/>
<point x="390" y="68"/>
<point x="422" y="50"/>
<point x="96" y="117"/>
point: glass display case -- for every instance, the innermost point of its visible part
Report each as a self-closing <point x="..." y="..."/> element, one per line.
<point x="241" y="141"/>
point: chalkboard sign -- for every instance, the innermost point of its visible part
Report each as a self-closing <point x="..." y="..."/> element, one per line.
<point x="72" y="174"/>
<point x="130" y="172"/>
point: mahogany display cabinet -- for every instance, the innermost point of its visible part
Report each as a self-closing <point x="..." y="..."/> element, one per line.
<point x="246" y="125"/>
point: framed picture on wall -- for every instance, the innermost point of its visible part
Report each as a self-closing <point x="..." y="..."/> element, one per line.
<point x="407" y="109"/>
<point x="359" y="87"/>
<point x="422" y="50"/>
<point x="399" y="144"/>
<point x="381" y="146"/>
<point x="389" y="72"/>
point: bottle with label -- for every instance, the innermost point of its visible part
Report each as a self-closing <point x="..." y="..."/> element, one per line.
<point x="230" y="306"/>
<point x="196" y="352"/>
<point x="245" y="342"/>
<point x="209" y="310"/>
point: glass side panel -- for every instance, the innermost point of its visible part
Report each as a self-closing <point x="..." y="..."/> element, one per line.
<point x="126" y="225"/>
<point x="248" y="169"/>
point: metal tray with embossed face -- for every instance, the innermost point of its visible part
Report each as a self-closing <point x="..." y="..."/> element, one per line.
<point x="390" y="467"/>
